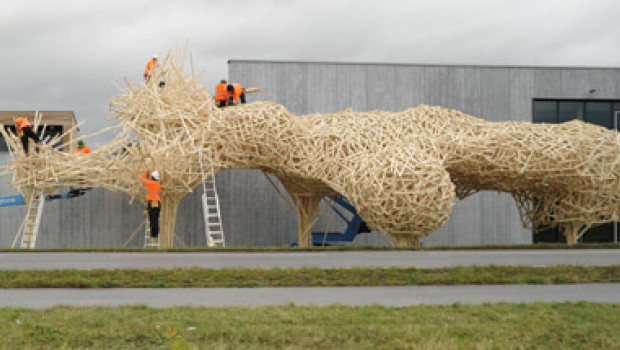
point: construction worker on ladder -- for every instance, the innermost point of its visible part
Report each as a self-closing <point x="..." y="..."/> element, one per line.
<point x="153" y="199"/>
<point x="24" y="131"/>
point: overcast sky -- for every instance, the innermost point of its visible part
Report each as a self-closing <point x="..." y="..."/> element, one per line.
<point x="65" y="54"/>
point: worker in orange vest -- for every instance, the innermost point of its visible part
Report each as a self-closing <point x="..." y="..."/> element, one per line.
<point x="24" y="131"/>
<point x="153" y="199"/>
<point x="220" y="94"/>
<point x="149" y="67"/>
<point x="234" y="93"/>
<point x="82" y="148"/>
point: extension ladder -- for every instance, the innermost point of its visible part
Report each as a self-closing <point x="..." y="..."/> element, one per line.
<point x="214" y="231"/>
<point x="32" y="221"/>
<point x="149" y="242"/>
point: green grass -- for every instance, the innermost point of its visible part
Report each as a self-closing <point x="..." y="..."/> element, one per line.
<point x="489" y="326"/>
<point x="257" y="277"/>
<point x="320" y="249"/>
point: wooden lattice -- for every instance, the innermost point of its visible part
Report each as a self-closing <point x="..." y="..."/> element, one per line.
<point x="402" y="171"/>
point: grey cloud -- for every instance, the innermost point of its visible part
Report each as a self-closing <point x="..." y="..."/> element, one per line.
<point x="65" y="54"/>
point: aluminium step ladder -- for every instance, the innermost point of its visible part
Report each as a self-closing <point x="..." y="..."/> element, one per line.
<point x="149" y="242"/>
<point x="214" y="231"/>
<point x="32" y="221"/>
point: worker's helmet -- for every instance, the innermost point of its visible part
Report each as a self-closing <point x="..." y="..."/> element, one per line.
<point x="155" y="175"/>
<point x="80" y="144"/>
<point x="155" y="57"/>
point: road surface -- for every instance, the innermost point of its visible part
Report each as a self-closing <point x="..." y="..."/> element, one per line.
<point x="320" y="259"/>
<point x="387" y="296"/>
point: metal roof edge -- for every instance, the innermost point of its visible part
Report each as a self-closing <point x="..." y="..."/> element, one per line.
<point x="32" y="111"/>
<point x="418" y="64"/>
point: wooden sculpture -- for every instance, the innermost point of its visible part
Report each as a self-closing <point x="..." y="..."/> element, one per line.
<point x="401" y="170"/>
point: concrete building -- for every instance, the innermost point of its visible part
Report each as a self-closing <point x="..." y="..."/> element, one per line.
<point x="495" y="93"/>
<point x="254" y="214"/>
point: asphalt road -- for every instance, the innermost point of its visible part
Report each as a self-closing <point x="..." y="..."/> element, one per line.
<point x="219" y="260"/>
<point x="387" y="296"/>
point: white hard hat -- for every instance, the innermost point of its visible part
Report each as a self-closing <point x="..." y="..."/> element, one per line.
<point x="155" y="175"/>
<point x="155" y="56"/>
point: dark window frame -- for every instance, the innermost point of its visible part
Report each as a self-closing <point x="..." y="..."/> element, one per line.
<point x="615" y="104"/>
<point x="50" y="130"/>
<point x="553" y="234"/>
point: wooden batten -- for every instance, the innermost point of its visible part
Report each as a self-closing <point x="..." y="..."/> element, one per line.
<point x="402" y="171"/>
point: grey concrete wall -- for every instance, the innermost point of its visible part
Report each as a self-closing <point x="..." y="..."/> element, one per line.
<point x="10" y="217"/>
<point x="492" y="93"/>
<point x="97" y="219"/>
<point x="254" y="214"/>
<point x="251" y="215"/>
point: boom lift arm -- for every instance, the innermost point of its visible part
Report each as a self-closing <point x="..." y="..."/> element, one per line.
<point x="355" y="225"/>
<point x="18" y="199"/>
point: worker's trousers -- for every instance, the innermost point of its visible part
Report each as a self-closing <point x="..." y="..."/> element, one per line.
<point x="28" y="134"/>
<point x="154" y="219"/>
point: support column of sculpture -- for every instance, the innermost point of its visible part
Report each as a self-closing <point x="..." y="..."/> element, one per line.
<point x="307" y="207"/>
<point x="26" y="194"/>
<point x="571" y="231"/>
<point x="168" y="218"/>
<point x="406" y="240"/>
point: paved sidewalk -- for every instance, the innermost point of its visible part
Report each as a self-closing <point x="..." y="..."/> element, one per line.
<point x="388" y="296"/>
<point x="320" y="259"/>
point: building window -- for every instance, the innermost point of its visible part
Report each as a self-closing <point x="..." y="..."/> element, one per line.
<point x="50" y="131"/>
<point x="545" y="112"/>
<point x="597" y="112"/>
<point x="569" y="110"/>
<point x="10" y="129"/>
<point x="560" y="111"/>
<point x="600" y="113"/>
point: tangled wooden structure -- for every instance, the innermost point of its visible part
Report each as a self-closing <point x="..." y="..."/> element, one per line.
<point x="402" y="171"/>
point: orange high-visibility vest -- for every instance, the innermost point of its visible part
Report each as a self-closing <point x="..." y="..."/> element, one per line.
<point x="149" y="65"/>
<point x="220" y="92"/>
<point x="237" y="90"/>
<point x="22" y="123"/>
<point x="83" y="150"/>
<point x="152" y="188"/>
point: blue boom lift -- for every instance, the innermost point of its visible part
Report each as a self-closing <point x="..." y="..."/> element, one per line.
<point x="355" y="225"/>
<point x="18" y="199"/>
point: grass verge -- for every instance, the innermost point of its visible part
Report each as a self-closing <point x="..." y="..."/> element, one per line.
<point x="489" y="326"/>
<point x="305" y="277"/>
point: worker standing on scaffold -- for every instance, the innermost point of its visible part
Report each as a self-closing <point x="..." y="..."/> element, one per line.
<point x="24" y="131"/>
<point x="153" y="200"/>
<point x="82" y="148"/>
<point x="220" y="94"/>
<point x="148" y="71"/>
<point x="150" y="65"/>
<point x="234" y="93"/>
